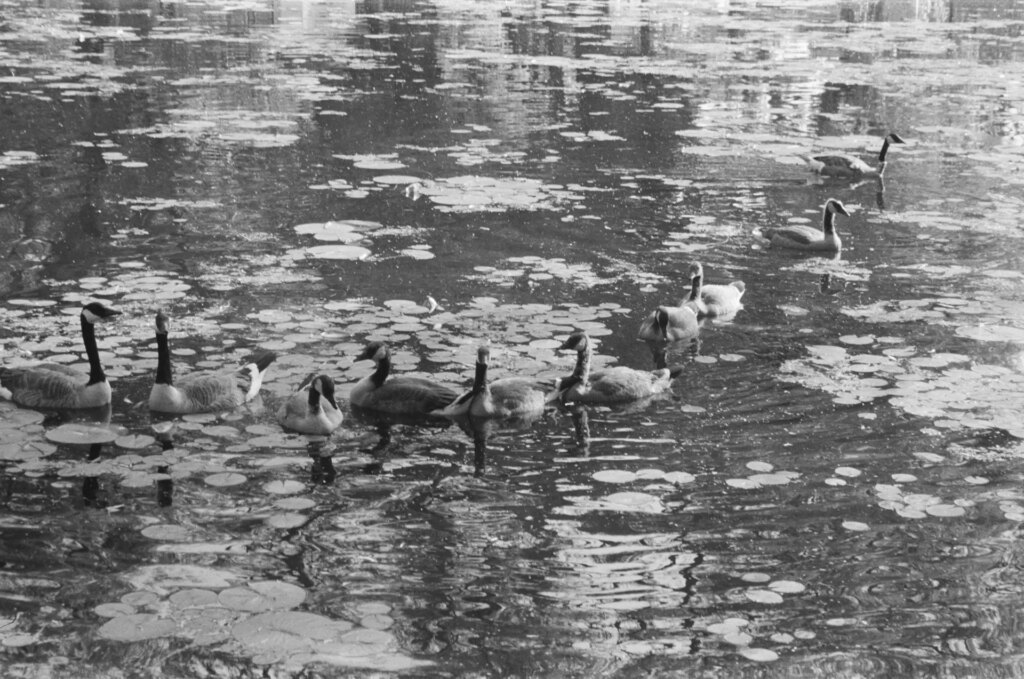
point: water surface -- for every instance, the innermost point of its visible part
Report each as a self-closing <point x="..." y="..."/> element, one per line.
<point x="832" y="487"/>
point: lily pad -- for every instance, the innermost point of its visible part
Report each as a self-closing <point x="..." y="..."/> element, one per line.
<point x="76" y="433"/>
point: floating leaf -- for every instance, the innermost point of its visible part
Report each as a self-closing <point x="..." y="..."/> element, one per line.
<point x="225" y="479"/>
<point x="351" y="252"/>
<point x="945" y="511"/>
<point x="284" y="487"/>
<point x="137" y="627"/>
<point x="77" y="433"/>
<point x="167" y="532"/>
<point x="759" y="654"/>
<point x="286" y="520"/>
<point x="786" y="587"/>
<point x="134" y="441"/>
<point x="764" y="596"/>
<point x="264" y="595"/>
<point x="614" y="476"/>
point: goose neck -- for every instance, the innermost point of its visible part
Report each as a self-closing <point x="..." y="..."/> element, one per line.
<point x="582" y="370"/>
<point x="383" y="368"/>
<point x="885" y="149"/>
<point x="480" y="377"/>
<point x="695" y="284"/>
<point x="163" y="360"/>
<point x="828" y="223"/>
<point x="92" y="352"/>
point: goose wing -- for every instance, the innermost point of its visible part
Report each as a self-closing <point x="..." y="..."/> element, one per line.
<point x="410" y="395"/>
<point x="213" y="391"/>
<point x="621" y="383"/>
<point x="49" y="385"/>
<point x="839" y="163"/>
<point x="797" y="233"/>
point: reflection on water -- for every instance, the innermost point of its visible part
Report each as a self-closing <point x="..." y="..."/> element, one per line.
<point x="832" y="488"/>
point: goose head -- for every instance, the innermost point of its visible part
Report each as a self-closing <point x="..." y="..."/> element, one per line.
<point x="98" y="312"/>
<point x="161" y="322"/>
<point x="696" y="270"/>
<point x="894" y="138"/>
<point x="324" y="385"/>
<point x="374" y="351"/>
<point x="578" y="342"/>
<point x="833" y="206"/>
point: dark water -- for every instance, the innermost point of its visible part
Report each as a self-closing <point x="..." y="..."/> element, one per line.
<point x="831" y="489"/>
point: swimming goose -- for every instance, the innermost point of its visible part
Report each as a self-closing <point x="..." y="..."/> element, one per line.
<point x="714" y="299"/>
<point x="845" y="165"/>
<point x="402" y="395"/>
<point x="669" y="324"/>
<point x="801" y="237"/>
<point x="203" y="392"/>
<point x="617" y="384"/>
<point x="508" y="397"/>
<point x="312" y="409"/>
<point x="52" y="385"/>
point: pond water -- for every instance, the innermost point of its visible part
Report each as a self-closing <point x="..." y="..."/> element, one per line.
<point x="832" y="487"/>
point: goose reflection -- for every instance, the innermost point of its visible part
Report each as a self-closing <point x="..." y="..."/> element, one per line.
<point x="321" y="471"/>
<point x="482" y="429"/>
<point x="383" y="423"/>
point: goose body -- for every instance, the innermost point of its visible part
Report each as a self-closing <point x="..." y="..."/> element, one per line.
<point x="312" y="409"/>
<point x="203" y="392"/>
<point x="52" y="385"/>
<point x="618" y="384"/>
<point x="670" y="324"/>
<point x="846" y="165"/>
<point x="801" y="237"/>
<point x="714" y="299"/>
<point x="402" y="395"/>
<point x="508" y="397"/>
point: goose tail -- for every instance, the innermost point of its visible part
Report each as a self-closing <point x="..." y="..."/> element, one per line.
<point x="263" y="359"/>
<point x="675" y="371"/>
<point x="254" y="371"/>
<point x="459" y="406"/>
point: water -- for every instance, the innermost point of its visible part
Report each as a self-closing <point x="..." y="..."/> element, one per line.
<point x="832" y="488"/>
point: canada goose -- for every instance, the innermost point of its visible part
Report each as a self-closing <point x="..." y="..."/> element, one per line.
<point x="617" y="384"/>
<point x="52" y="385"/>
<point x="714" y="299"/>
<point x="801" y="237"/>
<point x="669" y="324"/>
<point x="845" y="165"/>
<point x="312" y="409"/>
<point x="402" y="395"/>
<point x="508" y="397"/>
<point x="203" y="392"/>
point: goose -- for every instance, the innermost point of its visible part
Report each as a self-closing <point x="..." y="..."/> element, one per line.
<point x="52" y="385"/>
<point x="203" y="392"/>
<point x="714" y="299"/>
<point x="618" y="384"/>
<point x="845" y="165"/>
<point x="801" y="237"/>
<point x="402" y="395"/>
<point x="508" y="397"/>
<point x="312" y="409"/>
<point x="670" y="324"/>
